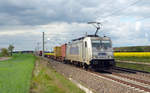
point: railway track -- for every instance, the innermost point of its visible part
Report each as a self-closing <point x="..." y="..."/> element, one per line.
<point x="130" y="70"/>
<point x="141" y="76"/>
<point x="138" y="85"/>
<point x="130" y="82"/>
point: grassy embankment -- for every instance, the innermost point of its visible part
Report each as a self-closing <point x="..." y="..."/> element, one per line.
<point x="16" y="73"/>
<point x="47" y="80"/>
<point x="134" y="66"/>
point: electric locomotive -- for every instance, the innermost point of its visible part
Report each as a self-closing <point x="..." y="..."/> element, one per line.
<point x="91" y="51"/>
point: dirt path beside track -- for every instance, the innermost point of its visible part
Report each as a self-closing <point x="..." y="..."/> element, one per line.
<point x="4" y="58"/>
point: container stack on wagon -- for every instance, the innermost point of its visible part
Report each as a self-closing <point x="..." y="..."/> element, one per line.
<point x="57" y="51"/>
<point x="63" y="52"/>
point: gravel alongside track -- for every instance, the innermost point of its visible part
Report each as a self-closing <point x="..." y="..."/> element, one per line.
<point x="93" y="82"/>
<point x="138" y="75"/>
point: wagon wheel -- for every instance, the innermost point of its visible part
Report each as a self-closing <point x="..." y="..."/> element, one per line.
<point x="85" y="66"/>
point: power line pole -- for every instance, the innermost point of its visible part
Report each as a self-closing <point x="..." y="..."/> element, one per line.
<point x="43" y="45"/>
<point x="38" y="47"/>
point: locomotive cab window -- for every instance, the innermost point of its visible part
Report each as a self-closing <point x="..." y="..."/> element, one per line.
<point x="106" y="44"/>
<point x="96" y="43"/>
<point x="101" y="43"/>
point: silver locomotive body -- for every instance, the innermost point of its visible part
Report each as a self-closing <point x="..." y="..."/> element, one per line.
<point x="91" y="51"/>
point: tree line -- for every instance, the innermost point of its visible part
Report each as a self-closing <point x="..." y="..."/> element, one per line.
<point x="133" y="49"/>
<point x="7" y="51"/>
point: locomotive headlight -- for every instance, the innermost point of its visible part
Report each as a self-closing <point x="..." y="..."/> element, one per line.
<point x="95" y="56"/>
<point x="109" y="57"/>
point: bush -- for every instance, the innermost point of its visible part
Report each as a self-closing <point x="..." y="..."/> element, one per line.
<point x="4" y="52"/>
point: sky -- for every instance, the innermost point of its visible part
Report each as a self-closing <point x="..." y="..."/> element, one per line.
<point x="22" y="22"/>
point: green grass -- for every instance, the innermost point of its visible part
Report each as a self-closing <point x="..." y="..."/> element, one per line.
<point x="16" y="73"/>
<point x="47" y="80"/>
<point x="134" y="66"/>
<point x="135" y="59"/>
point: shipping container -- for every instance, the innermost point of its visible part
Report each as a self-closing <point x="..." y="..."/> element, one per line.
<point x="57" y="51"/>
<point x="63" y="50"/>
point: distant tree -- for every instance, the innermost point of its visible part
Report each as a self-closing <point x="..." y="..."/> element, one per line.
<point x="139" y="49"/>
<point x="147" y="49"/>
<point x="11" y="48"/>
<point x="4" y="52"/>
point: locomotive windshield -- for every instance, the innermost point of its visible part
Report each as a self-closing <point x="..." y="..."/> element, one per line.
<point x="96" y="43"/>
<point x="101" y="43"/>
<point x="106" y="44"/>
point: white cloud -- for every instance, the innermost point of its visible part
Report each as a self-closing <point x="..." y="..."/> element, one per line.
<point x="138" y="26"/>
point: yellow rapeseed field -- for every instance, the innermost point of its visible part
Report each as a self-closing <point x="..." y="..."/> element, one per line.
<point x="128" y="54"/>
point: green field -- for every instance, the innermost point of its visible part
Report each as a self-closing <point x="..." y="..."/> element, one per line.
<point x="135" y="59"/>
<point x="134" y="66"/>
<point x="133" y="49"/>
<point x="47" y="80"/>
<point x="16" y="73"/>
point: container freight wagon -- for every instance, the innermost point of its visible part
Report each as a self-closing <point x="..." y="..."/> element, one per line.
<point x="63" y="51"/>
<point x="49" y="55"/>
<point x="57" y="52"/>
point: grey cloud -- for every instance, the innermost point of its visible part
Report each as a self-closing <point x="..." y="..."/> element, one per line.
<point x="20" y="41"/>
<point x="40" y="12"/>
<point x="31" y="12"/>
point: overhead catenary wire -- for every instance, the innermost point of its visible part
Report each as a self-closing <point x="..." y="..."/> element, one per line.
<point x="121" y="9"/>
